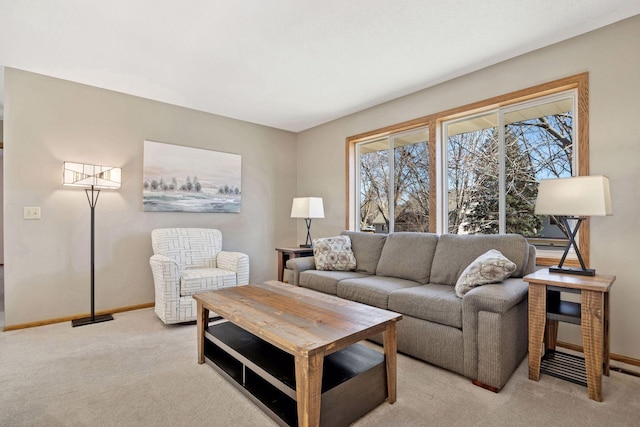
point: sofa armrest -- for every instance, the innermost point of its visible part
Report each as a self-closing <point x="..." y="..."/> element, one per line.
<point x="496" y="298"/>
<point x="531" y="263"/>
<point x="494" y="325"/>
<point x="297" y="266"/>
<point x="237" y="262"/>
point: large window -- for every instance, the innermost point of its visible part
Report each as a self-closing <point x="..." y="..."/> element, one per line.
<point x="393" y="183"/>
<point x="495" y="160"/>
<point x="474" y="169"/>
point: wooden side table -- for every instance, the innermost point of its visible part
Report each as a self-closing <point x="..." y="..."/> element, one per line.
<point x="284" y="254"/>
<point x="592" y="314"/>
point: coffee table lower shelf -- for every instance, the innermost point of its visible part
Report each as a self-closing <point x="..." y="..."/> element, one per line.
<point x="353" y="382"/>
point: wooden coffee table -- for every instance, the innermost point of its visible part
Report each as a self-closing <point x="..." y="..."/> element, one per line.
<point x="303" y="323"/>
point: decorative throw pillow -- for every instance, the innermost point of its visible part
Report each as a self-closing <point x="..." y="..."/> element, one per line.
<point x="334" y="253"/>
<point x="490" y="267"/>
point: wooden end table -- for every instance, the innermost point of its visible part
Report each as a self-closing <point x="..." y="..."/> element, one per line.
<point x="285" y="254"/>
<point x="592" y="314"/>
<point x="306" y="324"/>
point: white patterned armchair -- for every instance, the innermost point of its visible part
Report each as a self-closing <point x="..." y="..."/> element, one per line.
<point x="187" y="261"/>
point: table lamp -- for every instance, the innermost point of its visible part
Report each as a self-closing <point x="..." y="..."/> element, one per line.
<point x="575" y="199"/>
<point x="307" y="208"/>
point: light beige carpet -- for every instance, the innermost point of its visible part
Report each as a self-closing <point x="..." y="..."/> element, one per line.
<point x="135" y="371"/>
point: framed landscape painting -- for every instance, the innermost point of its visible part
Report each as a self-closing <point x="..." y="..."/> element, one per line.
<point x="185" y="179"/>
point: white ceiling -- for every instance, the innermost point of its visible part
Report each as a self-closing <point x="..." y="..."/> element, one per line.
<point x="289" y="64"/>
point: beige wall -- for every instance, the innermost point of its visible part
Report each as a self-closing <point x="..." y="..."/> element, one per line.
<point x="612" y="58"/>
<point x="1" y="213"/>
<point x="48" y="121"/>
<point x="1" y="191"/>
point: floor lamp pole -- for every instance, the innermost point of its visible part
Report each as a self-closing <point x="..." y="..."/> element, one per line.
<point x="92" y="197"/>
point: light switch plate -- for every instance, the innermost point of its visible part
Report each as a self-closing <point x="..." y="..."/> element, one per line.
<point x="32" y="212"/>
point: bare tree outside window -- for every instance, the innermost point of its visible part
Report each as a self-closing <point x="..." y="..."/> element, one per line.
<point x="411" y="191"/>
<point x="408" y="193"/>
<point x="490" y="175"/>
<point x="473" y="173"/>
<point x="374" y="187"/>
<point x="535" y="147"/>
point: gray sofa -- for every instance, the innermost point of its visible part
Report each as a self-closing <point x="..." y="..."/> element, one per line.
<point x="482" y="336"/>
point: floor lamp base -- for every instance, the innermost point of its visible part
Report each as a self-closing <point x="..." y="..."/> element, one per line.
<point x="89" y="320"/>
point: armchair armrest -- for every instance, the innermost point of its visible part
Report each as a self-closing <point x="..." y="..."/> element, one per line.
<point x="297" y="266"/>
<point x="237" y="262"/>
<point x="166" y="272"/>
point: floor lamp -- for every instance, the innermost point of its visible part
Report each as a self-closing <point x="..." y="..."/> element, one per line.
<point x="92" y="178"/>
<point x="307" y="208"/>
<point x="573" y="200"/>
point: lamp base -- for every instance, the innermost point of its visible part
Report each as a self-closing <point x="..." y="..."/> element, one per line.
<point x="569" y="270"/>
<point x="306" y="246"/>
<point x="89" y="320"/>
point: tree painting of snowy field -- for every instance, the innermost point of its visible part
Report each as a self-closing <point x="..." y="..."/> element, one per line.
<point x="185" y="179"/>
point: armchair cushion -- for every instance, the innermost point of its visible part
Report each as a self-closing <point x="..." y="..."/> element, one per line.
<point x="197" y="280"/>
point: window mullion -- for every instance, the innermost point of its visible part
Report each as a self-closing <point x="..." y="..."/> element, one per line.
<point x="391" y="191"/>
<point x="502" y="195"/>
<point x="358" y="189"/>
<point x="441" y="181"/>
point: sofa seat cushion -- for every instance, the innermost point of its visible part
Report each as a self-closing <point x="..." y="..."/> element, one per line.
<point x="435" y="303"/>
<point x="367" y="248"/>
<point x="408" y="256"/>
<point x="197" y="280"/>
<point x="372" y="290"/>
<point x="326" y="281"/>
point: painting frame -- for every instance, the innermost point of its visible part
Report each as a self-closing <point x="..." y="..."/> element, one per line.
<point x="178" y="178"/>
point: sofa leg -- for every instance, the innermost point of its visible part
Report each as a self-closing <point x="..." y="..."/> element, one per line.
<point x="485" y="386"/>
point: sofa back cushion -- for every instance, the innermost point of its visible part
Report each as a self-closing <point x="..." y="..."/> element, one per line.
<point x="455" y="252"/>
<point x="408" y="256"/>
<point x="366" y="248"/>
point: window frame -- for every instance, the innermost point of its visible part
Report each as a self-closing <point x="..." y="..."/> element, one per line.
<point x="578" y="82"/>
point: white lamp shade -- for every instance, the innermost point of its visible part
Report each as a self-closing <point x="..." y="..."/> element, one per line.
<point x="576" y="196"/>
<point x="84" y="175"/>
<point x="307" y="207"/>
